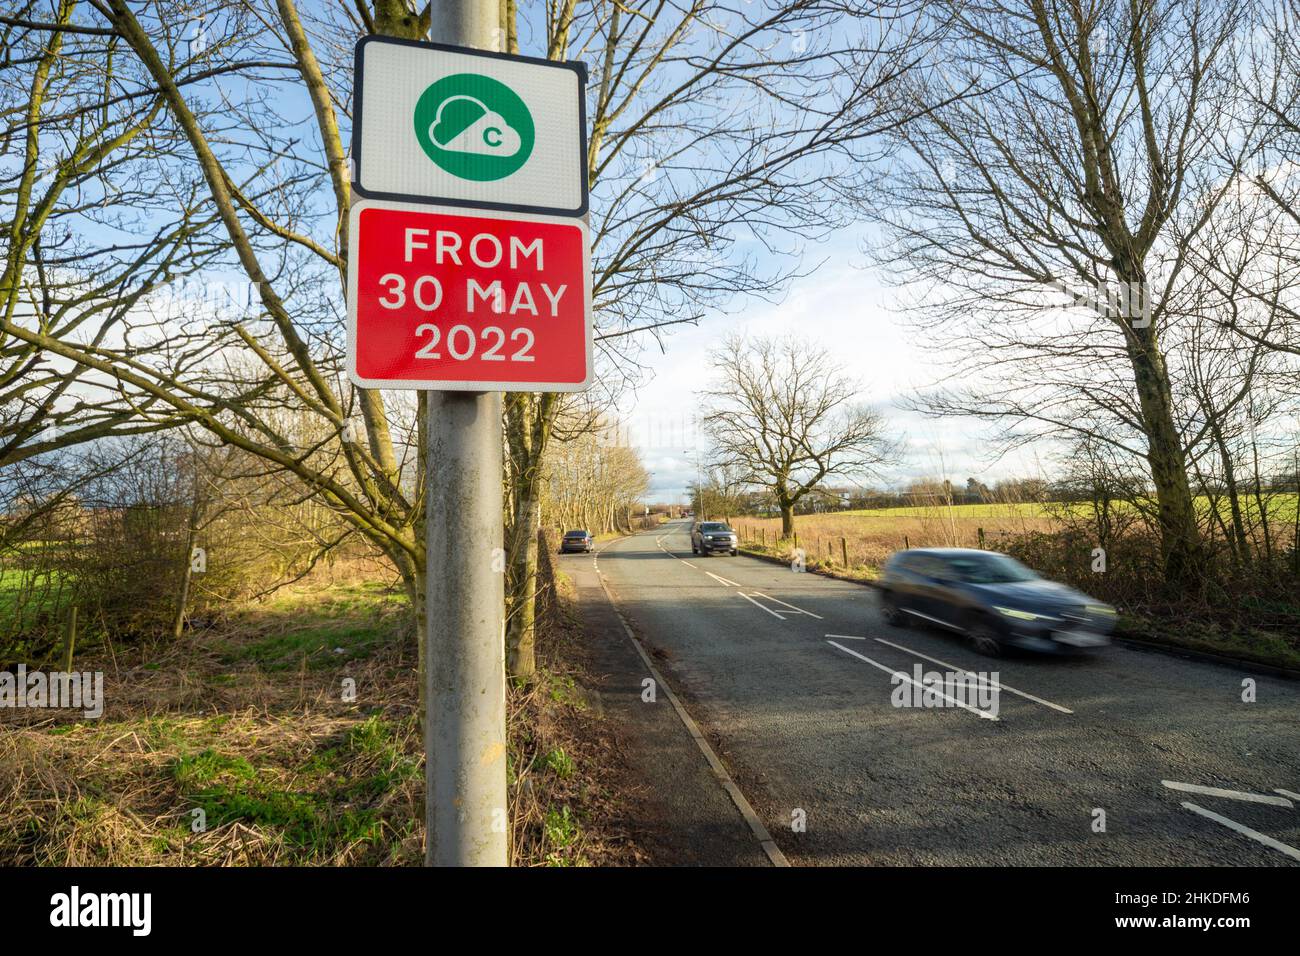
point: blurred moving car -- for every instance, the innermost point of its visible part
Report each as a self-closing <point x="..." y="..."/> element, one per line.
<point x="710" y="536"/>
<point x="991" y="598"/>
<point x="576" y="541"/>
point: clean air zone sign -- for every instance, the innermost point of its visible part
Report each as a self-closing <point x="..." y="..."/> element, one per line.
<point x="465" y="299"/>
<point x="469" y="260"/>
<point x="464" y="127"/>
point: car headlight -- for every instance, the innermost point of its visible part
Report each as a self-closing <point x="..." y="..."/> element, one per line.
<point x="1021" y="615"/>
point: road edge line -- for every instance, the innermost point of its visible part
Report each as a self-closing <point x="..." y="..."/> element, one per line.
<point x="760" y="831"/>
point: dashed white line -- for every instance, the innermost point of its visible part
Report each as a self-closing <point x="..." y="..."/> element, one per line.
<point x="721" y="580"/>
<point x="900" y="675"/>
<point x="992" y="683"/>
<point x="1287" y="793"/>
<point x="847" y="637"/>
<point x="1228" y="794"/>
<point x="1244" y="830"/>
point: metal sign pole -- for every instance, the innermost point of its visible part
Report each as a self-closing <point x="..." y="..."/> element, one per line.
<point x="465" y="717"/>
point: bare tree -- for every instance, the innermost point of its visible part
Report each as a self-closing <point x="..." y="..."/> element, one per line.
<point x="716" y="128"/>
<point x="786" y="414"/>
<point x="592" y="483"/>
<point x="721" y="491"/>
<point x="1102" y="140"/>
<point x="89" y="226"/>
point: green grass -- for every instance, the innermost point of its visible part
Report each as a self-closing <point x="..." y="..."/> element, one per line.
<point x="315" y="807"/>
<point x="559" y="763"/>
<point x="561" y="827"/>
<point x="331" y="627"/>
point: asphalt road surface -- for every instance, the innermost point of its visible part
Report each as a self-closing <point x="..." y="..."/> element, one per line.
<point x="791" y="677"/>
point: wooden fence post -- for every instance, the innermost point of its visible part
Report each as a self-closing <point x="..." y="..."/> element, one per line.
<point x="70" y="641"/>
<point x="844" y="552"/>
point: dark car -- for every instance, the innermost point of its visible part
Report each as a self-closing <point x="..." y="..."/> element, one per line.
<point x="710" y="536"/>
<point x="576" y="541"/>
<point x="991" y="598"/>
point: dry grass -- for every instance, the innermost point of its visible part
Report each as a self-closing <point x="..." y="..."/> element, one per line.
<point x="870" y="539"/>
<point x="246" y="722"/>
<point x="565" y="810"/>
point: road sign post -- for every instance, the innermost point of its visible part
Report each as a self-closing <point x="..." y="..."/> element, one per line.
<point x="468" y="275"/>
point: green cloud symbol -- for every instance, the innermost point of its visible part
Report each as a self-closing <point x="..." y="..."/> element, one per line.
<point x="474" y="127"/>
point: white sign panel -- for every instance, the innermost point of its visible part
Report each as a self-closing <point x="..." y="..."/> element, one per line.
<point x="452" y="126"/>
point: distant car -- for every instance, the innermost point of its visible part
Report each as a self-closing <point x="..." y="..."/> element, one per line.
<point x="991" y="598"/>
<point x="576" y="541"/>
<point x="710" y="536"/>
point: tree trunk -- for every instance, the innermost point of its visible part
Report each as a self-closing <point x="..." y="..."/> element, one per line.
<point x="521" y="588"/>
<point x="787" y="519"/>
<point x="528" y="426"/>
<point x="1180" y="543"/>
<point x="1241" y="544"/>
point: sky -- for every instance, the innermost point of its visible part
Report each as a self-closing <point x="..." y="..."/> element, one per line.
<point x="845" y="306"/>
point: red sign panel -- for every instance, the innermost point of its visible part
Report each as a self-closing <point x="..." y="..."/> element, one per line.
<point x="456" y="299"/>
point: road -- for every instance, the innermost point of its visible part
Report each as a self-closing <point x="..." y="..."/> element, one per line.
<point x="791" y="676"/>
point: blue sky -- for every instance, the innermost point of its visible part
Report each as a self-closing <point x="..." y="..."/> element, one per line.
<point x="845" y="306"/>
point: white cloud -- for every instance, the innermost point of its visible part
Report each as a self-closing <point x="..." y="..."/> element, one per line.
<point x="850" y="311"/>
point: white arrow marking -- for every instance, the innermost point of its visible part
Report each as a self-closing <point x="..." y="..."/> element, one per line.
<point x="982" y="678"/>
<point x="889" y="670"/>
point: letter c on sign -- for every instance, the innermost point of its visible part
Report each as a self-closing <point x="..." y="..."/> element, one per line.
<point x="488" y="135"/>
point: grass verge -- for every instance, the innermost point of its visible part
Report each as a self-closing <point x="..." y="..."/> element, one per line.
<point x="244" y="746"/>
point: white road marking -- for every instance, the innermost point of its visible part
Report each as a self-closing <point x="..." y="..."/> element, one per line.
<point x="932" y="620"/>
<point x="721" y="580"/>
<point x="1229" y="794"/>
<point x="797" y="610"/>
<point x="1287" y="793"/>
<point x="684" y="561"/>
<point x="847" y="637"/>
<point x="889" y="670"/>
<point x="991" y="683"/>
<point x="1245" y="831"/>
<point x="775" y="614"/>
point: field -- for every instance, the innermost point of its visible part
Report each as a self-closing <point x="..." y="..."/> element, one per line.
<point x="870" y="536"/>
<point x="1254" y="616"/>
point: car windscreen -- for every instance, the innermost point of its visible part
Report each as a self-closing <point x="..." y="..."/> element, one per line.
<point x="990" y="569"/>
<point x="575" y="534"/>
<point x="713" y="526"/>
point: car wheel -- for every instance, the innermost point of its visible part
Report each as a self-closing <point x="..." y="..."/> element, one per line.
<point x="984" y="638"/>
<point x="894" y="615"/>
<point x="734" y="552"/>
